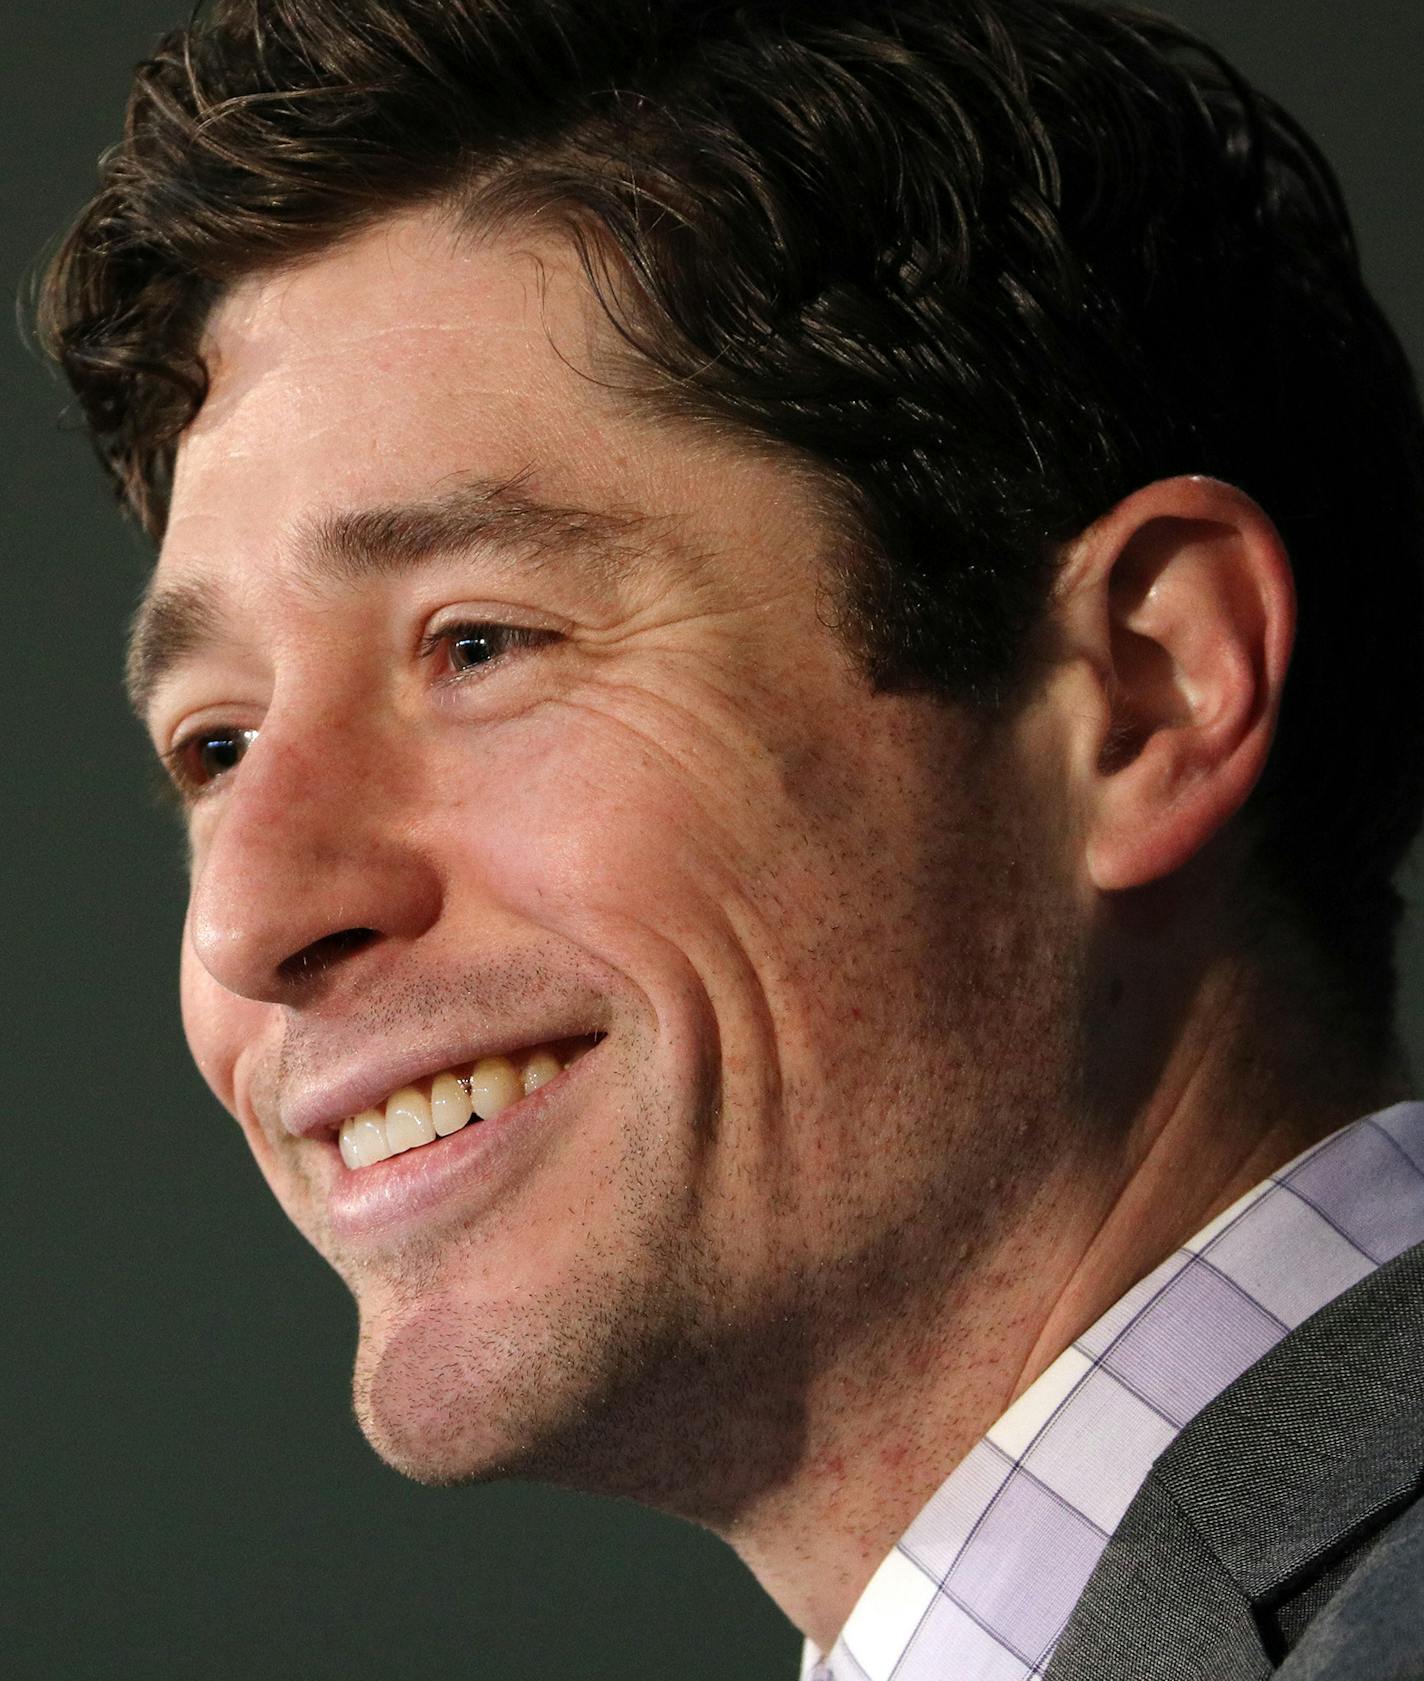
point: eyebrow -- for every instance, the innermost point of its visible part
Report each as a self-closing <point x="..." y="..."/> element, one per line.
<point x="176" y="623"/>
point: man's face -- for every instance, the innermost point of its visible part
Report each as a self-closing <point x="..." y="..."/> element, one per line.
<point x="809" y="932"/>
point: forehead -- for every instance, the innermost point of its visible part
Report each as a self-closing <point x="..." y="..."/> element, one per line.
<point x="377" y="370"/>
<point x="404" y="367"/>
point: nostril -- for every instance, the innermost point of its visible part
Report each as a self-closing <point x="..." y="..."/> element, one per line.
<point x="322" y="954"/>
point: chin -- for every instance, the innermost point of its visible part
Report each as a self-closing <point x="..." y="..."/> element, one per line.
<point x="432" y="1389"/>
<point x="453" y="1389"/>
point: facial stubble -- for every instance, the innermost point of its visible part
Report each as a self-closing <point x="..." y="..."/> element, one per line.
<point x="654" y="1369"/>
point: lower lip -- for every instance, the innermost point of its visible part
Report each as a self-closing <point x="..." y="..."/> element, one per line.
<point x="473" y="1164"/>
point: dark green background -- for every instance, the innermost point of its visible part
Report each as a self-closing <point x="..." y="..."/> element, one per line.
<point x="186" y="1494"/>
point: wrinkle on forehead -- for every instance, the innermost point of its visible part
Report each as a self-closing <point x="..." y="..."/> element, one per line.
<point x="356" y="298"/>
<point x="390" y="362"/>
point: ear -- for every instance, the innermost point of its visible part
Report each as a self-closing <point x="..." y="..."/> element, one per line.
<point x="1176" y="612"/>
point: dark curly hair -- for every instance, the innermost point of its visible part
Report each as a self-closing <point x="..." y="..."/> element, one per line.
<point x="993" y="264"/>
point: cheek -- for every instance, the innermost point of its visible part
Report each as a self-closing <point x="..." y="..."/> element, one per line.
<point x="594" y="818"/>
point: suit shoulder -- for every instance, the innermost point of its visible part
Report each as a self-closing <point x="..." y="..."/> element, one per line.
<point x="1372" y="1628"/>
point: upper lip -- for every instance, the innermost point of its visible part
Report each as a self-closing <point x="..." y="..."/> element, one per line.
<point x="319" y="1105"/>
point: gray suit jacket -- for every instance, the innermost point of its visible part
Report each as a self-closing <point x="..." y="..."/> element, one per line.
<point x="1282" y="1533"/>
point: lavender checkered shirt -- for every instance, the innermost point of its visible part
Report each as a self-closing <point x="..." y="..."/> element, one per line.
<point x="983" y="1582"/>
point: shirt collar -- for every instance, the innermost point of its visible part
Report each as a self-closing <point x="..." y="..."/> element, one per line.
<point x="982" y="1583"/>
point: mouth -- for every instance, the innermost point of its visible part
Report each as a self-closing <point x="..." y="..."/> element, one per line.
<point x="422" y="1114"/>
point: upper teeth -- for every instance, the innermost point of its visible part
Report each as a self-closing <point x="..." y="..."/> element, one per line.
<point x="437" y="1107"/>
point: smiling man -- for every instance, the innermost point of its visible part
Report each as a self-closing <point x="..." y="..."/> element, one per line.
<point x="728" y="576"/>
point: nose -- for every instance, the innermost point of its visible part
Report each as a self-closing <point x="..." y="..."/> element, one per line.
<point x="309" y="861"/>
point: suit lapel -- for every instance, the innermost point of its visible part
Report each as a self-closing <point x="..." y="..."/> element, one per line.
<point x="1288" y="1472"/>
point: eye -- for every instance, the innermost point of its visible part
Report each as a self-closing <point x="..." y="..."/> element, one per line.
<point x="199" y="759"/>
<point x="470" y="645"/>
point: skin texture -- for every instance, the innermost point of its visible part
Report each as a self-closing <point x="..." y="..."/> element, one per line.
<point x="919" y="1042"/>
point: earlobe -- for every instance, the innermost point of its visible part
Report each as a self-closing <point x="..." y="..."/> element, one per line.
<point x="1180" y="603"/>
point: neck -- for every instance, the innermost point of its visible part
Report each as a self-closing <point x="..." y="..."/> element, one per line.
<point x="1246" y="1087"/>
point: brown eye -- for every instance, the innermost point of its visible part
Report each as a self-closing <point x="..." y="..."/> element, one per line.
<point x="473" y="645"/>
<point x="202" y="758"/>
<point x="469" y="646"/>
